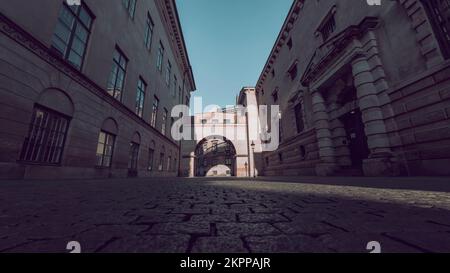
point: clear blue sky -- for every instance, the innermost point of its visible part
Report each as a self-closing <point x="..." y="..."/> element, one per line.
<point x="229" y="42"/>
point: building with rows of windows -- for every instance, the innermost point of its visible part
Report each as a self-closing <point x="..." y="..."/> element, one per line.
<point x="86" y="90"/>
<point x="362" y="89"/>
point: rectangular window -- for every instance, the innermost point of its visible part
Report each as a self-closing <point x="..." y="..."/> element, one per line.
<point x="159" y="60"/>
<point x="299" y="118"/>
<point x="140" y="98"/>
<point x="46" y="137"/>
<point x="168" y="73"/>
<point x="169" y="162"/>
<point x="439" y="15"/>
<point x="293" y="71"/>
<point x="149" y="32"/>
<point x="275" y="96"/>
<point x="130" y="5"/>
<point x="116" y="79"/>
<point x="175" y="84"/>
<point x="72" y="33"/>
<point x="161" y="162"/>
<point x="154" y="111"/>
<point x="164" y="122"/>
<point x="151" y="154"/>
<point x="328" y="27"/>
<point x="105" y="148"/>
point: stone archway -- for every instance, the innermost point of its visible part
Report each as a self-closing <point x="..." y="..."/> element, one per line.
<point x="213" y="152"/>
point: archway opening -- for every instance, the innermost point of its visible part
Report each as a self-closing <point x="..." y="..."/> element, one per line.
<point x="215" y="156"/>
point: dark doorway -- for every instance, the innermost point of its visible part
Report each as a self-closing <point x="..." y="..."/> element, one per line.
<point x="133" y="160"/>
<point x="356" y="137"/>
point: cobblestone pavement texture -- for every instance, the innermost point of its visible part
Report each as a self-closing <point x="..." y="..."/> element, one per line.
<point x="223" y="215"/>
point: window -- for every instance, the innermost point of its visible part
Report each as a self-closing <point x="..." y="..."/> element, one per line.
<point x="72" y="33"/>
<point x="168" y="73"/>
<point x="154" y="111"/>
<point x="280" y="157"/>
<point x="439" y="14"/>
<point x="227" y="121"/>
<point x="164" y="122"/>
<point x="175" y="83"/>
<point x="159" y="60"/>
<point x="293" y="71"/>
<point x="228" y="162"/>
<point x="179" y="93"/>
<point x="275" y="95"/>
<point x="46" y="137"/>
<point x="134" y="155"/>
<point x="151" y="154"/>
<point x="117" y="77"/>
<point x="140" y="98"/>
<point x="273" y="73"/>
<point x="328" y="27"/>
<point x="204" y="121"/>
<point x="105" y="148"/>
<point x="289" y="43"/>
<point x="149" y="32"/>
<point x="130" y="5"/>
<point x="169" y="162"/>
<point x="299" y="118"/>
<point x="161" y="162"/>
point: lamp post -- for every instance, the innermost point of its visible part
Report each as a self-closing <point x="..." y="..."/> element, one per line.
<point x="253" y="150"/>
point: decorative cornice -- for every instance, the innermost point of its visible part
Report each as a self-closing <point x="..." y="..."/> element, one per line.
<point x="293" y="15"/>
<point x="26" y="40"/>
<point x="327" y="52"/>
<point x="171" y="7"/>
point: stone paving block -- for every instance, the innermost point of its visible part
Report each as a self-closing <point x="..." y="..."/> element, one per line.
<point x="246" y="229"/>
<point x="214" y="218"/>
<point x="149" y="244"/>
<point x="225" y="244"/>
<point x="261" y="218"/>
<point x="198" y="228"/>
<point x="357" y="243"/>
<point x="284" y="244"/>
<point x="437" y="242"/>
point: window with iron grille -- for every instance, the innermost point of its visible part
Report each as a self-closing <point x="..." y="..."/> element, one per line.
<point x="140" y="98"/>
<point x="154" y="111"/>
<point x="105" y="148"/>
<point x="439" y="16"/>
<point x="130" y="5"/>
<point x="164" y="121"/>
<point x="168" y="73"/>
<point x="46" y="137"/>
<point x="328" y="27"/>
<point x="116" y="80"/>
<point x="149" y="32"/>
<point x="159" y="60"/>
<point x="72" y="33"/>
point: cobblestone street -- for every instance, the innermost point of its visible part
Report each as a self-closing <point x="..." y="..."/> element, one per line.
<point x="226" y="215"/>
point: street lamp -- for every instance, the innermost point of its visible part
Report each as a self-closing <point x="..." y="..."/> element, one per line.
<point x="253" y="150"/>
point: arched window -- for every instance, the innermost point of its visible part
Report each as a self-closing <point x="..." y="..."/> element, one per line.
<point x="106" y="143"/>
<point x="48" y="128"/>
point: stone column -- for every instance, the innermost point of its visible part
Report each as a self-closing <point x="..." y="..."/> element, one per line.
<point x="379" y="162"/>
<point x="326" y="148"/>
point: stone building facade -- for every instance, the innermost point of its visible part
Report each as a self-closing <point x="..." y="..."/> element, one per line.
<point x="363" y="90"/>
<point x="86" y="91"/>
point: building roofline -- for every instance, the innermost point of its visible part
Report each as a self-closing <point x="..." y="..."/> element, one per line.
<point x="172" y="9"/>
<point x="291" y="17"/>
